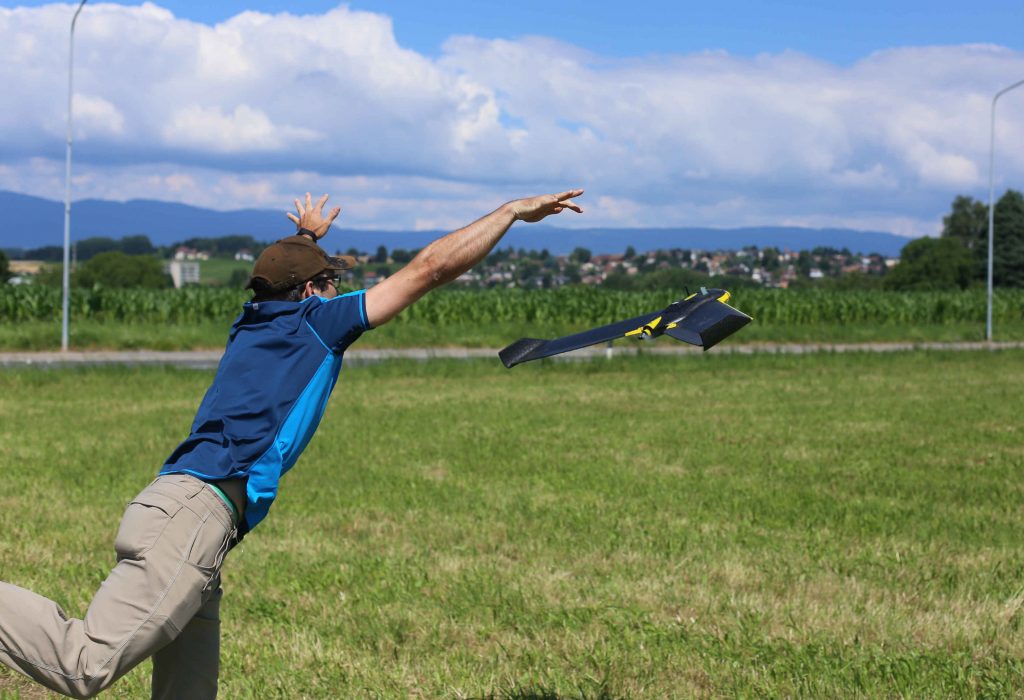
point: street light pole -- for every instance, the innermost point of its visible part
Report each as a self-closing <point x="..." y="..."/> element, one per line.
<point x="65" y="303"/>
<point x="991" y="207"/>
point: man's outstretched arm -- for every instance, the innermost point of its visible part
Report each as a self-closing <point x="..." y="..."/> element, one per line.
<point x="449" y="256"/>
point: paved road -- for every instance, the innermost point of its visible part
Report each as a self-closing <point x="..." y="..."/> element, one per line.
<point x="208" y="359"/>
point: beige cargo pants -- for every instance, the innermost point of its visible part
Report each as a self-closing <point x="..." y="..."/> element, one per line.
<point x="160" y="600"/>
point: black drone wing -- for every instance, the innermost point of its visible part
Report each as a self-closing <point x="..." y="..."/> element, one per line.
<point x="526" y="349"/>
<point x="708" y="324"/>
<point x="702" y="319"/>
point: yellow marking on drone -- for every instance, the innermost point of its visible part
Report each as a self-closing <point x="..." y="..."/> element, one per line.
<point x="671" y="325"/>
<point x="724" y="298"/>
<point x="646" y="329"/>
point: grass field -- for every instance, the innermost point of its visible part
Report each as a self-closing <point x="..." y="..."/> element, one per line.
<point x="708" y="526"/>
<point x="218" y="271"/>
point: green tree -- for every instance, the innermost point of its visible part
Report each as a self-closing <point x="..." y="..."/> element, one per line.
<point x="968" y="224"/>
<point x="382" y="255"/>
<point x="526" y="270"/>
<point x="115" y="269"/>
<point x="932" y="263"/>
<point x="572" y="273"/>
<point x="137" y="245"/>
<point x="91" y="247"/>
<point x="401" y="255"/>
<point x="5" y="267"/>
<point x="580" y="255"/>
<point x="49" y="253"/>
<point x="804" y="263"/>
<point x="221" y="245"/>
<point x="1008" y="250"/>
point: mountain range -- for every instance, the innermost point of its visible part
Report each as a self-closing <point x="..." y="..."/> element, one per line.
<point x="33" y="222"/>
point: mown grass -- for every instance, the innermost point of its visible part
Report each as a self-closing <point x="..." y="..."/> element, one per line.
<point x="109" y="335"/>
<point x="705" y="526"/>
<point x="218" y="271"/>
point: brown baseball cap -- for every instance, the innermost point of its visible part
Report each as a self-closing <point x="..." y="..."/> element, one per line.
<point x="293" y="260"/>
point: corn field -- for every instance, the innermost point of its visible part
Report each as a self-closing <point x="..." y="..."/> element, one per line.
<point x="567" y="305"/>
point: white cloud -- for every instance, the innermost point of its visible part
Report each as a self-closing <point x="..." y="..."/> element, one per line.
<point x="94" y="115"/>
<point x="245" y="130"/>
<point x="241" y="113"/>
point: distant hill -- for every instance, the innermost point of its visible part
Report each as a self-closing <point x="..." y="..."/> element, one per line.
<point x="33" y="222"/>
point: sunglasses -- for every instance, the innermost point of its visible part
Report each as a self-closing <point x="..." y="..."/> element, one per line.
<point x="334" y="280"/>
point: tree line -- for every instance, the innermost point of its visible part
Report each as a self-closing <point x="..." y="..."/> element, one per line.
<point x="139" y="244"/>
<point x="957" y="259"/>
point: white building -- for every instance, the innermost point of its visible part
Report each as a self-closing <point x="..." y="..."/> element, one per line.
<point x="183" y="273"/>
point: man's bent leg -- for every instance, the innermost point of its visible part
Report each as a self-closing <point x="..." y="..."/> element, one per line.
<point x="188" y="667"/>
<point x="170" y="546"/>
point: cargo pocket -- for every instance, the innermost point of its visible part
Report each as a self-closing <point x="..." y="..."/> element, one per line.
<point x="144" y="521"/>
<point x="210" y="545"/>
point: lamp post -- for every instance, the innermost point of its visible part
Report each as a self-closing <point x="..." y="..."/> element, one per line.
<point x="65" y="302"/>
<point x="991" y="207"/>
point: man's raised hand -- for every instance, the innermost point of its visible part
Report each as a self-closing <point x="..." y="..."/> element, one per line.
<point x="534" y="209"/>
<point x="311" y="217"/>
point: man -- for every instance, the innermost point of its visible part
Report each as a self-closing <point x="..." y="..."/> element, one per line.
<point x="280" y="365"/>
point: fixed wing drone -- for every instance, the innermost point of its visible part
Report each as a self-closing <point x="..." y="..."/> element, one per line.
<point x="703" y="319"/>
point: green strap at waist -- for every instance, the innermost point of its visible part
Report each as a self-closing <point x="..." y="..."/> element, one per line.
<point x="225" y="498"/>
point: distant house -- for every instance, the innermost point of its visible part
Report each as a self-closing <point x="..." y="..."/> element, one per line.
<point x="186" y="253"/>
<point x="244" y="254"/>
<point x="498" y="277"/>
<point x="26" y="267"/>
<point x="22" y="271"/>
<point x="183" y="272"/>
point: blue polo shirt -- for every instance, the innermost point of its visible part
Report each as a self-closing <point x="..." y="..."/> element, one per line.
<point x="281" y="363"/>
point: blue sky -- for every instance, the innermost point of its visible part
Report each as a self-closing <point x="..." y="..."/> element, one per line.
<point x="864" y="115"/>
<point x="840" y="32"/>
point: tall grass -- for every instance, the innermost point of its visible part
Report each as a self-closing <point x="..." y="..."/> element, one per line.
<point x="568" y="306"/>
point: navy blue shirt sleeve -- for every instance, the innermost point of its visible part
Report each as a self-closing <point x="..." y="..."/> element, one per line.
<point x="339" y="321"/>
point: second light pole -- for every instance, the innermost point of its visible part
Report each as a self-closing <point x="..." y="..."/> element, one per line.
<point x="65" y="301"/>
<point x="991" y="207"/>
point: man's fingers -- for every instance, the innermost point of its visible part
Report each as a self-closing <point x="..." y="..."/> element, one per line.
<point x="333" y="215"/>
<point x="294" y="218"/>
<point x="568" y="194"/>
<point x="298" y="207"/>
<point x="320" y="204"/>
